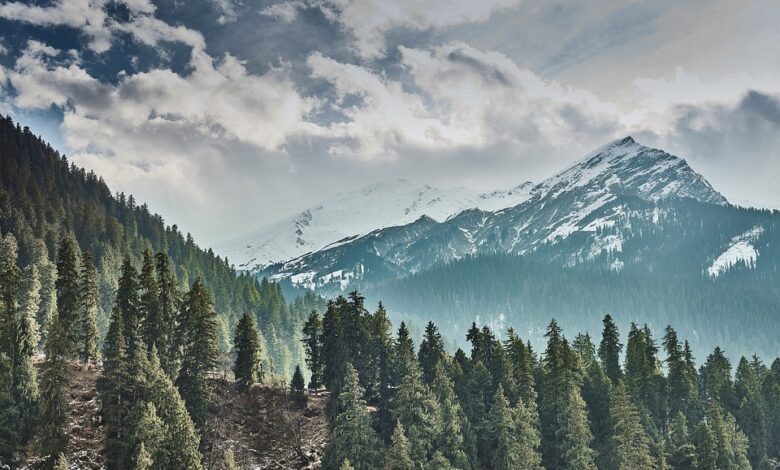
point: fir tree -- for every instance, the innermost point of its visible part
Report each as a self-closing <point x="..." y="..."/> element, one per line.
<point x="431" y="352"/>
<point x="167" y="346"/>
<point x="88" y="340"/>
<point x="514" y="442"/>
<point x="149" y="303"/>
<point x="199" y="353"/>
<point x="9" y="415"/>
<point x="450" y="441"/>
<point x="632" y="445"/>
<point x="230" y="460"/>
<point x="576" y="453"/>
<point x="419" y="412"/>
<point x="68" y="294"/>
<point x="248" y="360"/>
<point x="127" y="302"/>
<point x="352" y="438"/>
<point x="114" y="388"/>
<point x="297" y="386"/>
<point x="682" y="452"/>
<point x="398" y="456"/>
<point x="312" y="340"/>
<point x="609" y="350"/>
<point x="54" y="388"/>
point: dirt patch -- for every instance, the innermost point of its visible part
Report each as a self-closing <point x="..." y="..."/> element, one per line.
<point x="265" y="429"/>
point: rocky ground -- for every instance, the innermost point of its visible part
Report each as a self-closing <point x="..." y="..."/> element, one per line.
<point x="263" y="427"/>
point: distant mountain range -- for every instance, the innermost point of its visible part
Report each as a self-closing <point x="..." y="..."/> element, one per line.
<point x="586" y="198"/>
<point x="352" y="214"/>
<point x="627" y="230"/>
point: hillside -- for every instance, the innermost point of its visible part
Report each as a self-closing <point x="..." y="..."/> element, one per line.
<point x="44" y="197"/>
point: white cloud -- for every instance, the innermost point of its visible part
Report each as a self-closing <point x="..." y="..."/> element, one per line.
<point x="87" y="15"/>
<point x="370" y="20"/>
<point x="227" y="11"/>
<point x="458" y="97"/>
<point x="285" y="12"/>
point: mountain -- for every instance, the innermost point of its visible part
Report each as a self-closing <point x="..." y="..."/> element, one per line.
<point x="627" y="230"/>
<point x="586" y="198"/>
<point x="352" y="214"/>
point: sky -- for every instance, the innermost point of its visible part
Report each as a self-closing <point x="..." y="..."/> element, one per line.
<point x="225" y="115"/>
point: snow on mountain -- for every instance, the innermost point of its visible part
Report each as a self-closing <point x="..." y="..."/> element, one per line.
<point x="352" y="214"/>
<point x="589" y="198"/>
<point x="740" y="250"/>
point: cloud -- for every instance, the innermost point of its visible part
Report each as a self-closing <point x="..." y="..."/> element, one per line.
<point x="370" y="20"/>
<point x="227" y="11"/>
<point x="455" y="97"/>
<point x="86" y="15"/>
<point x="733" y="144"/>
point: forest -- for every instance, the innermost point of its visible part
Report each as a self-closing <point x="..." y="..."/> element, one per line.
<point x="586" y="403"/>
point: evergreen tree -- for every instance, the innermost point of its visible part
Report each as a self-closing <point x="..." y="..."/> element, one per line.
<point x="297" y="387"/>
<point x="68" y="294"/>
<point x="575" y="436"/>
<point x="352" y="438"/>
<point x="60" y="463"/>
<point x="419" y="412"/>
<point x="9" y="415"/>
<point x="247" y="346"/>
<point x="596" y="390"/>
<point x="632" y="445"/>
<point x="114" y="388"/>
<point x="398" y="456"/>
<point x="149" y="303"/>
<point x="682" y="452"/>
<point x="127" y="302"/>
<point x="230" y="460"/>
<point x="199" y="353"/>
<point x="382" y="352"/>
<point x="521" y="356"/>
<point x="431" y="352"/>
<point x="609" y="350"/>
<point x="514" y="440"/>
<point x="142" y="460"/>
<point x="715" y="383"/>
<point x="643" y="377"/>
<point x="88" y="340"/>
<point x="312" y="339"/>
<point x="167" y="346"/>
<point x="681" y="382"/>
<point x="450" y="442"/>
<point x="54" y="388"/>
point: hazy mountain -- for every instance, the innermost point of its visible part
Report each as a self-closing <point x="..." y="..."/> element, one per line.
<point x="355" y="213"/>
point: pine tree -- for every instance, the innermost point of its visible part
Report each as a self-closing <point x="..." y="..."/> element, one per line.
<point x="610" y="349"/>
<point x="247" y="345"/>
<point x="297" y="386"/>
<point x="54" y="388"/>
<point x="419" y="412"/>
<point x="9" y="414"/>
<point x="352" y="438"/>
<point x="114" y="388"/>
<point x="715" y="381"/>
<point x="199" y="353"/>
<point x="142" y="460"/>
<point x="706" y="447"/>
<point x="127" y="302"/>
<point x="431" y="352"/>
<point x="149" y="303"/>
<point x="632" y="445"/>
<point x="346" y="465"/>
<point x="450" y="441"/>
<point x="68" y="294"/>
<point x="24" y="337"/>
<point x="47" y="272"/>
<point x="10" y="282"/>
<point x="382" y="352"/>
<point x="88" y="340"/>
<point x="596" y="390"/>
<point x="145" y="434"/>
<point x="398" y="456"/>
<point x="521" y="356"/>
<point x="312" y="340"/>
<point x="514" y="443"/>
<point x="167" y="346"/>
<point x="682" y="452"/>
<point x="576" y="453"/>
<point x="681" y="382"/>
<point x="60" y="463"/>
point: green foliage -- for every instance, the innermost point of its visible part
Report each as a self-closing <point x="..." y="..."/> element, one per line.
<point x="399" y="455"/>
<point x="54" y="389"/>
<point x="632" y="445"/>
<point x="610" y="349"/>
<point x="297" y="387"/>
<point x="199" y="352"/>
<point x="68" y="293"/>
<point x="513" y="436"/>
<point x="312" y="340"/>
<point x="88" y="331"/>
<point x="247" y="347"/>
<point x="352" y="439"/>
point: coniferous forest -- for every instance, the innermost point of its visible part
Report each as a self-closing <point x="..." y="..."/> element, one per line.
<point x="91" y="281"/>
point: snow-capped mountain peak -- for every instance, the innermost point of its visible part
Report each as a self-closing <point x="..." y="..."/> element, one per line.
<point x="354" y="213"/>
